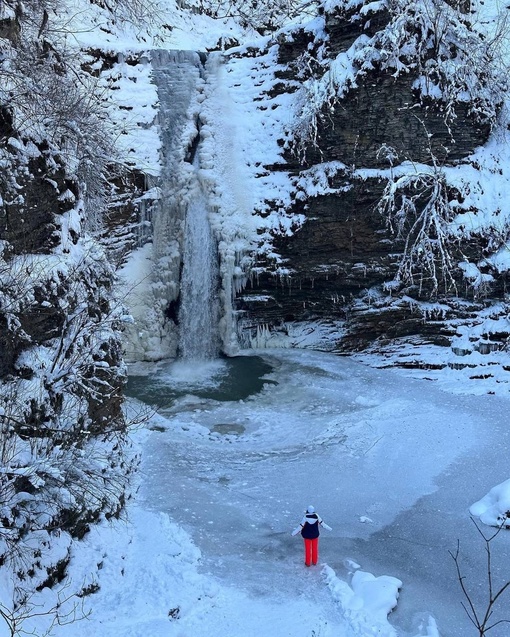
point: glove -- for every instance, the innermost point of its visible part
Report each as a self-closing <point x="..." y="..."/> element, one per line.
<point x="326" y="526"/>
<point x="296" y="531"/>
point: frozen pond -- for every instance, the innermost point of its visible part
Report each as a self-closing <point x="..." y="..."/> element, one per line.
<point x="392" y="464"/>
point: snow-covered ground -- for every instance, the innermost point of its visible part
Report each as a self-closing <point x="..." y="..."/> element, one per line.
<point x="391" y="464"/>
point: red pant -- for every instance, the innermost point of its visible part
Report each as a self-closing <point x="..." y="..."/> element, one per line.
<point x="311" y="551"/>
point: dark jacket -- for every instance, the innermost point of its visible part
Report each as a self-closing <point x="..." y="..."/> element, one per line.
<point x="310" y="528"/>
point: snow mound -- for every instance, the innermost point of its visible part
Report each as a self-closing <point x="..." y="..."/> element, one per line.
<point x="494" y="508"/>
<point x="367" y="602"/>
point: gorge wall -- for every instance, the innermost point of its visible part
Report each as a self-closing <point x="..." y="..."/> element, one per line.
<point x="348" y="265"/>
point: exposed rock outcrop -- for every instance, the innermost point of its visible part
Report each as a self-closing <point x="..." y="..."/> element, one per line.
<point x="345" y="261"/>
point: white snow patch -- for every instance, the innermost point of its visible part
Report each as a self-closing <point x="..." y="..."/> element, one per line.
<point x="494" y="508"/>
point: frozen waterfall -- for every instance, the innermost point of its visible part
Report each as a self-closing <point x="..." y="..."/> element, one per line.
<point x="180" y="281"/>
<point x="199" y="311"/>
<point x="185" y="253"/>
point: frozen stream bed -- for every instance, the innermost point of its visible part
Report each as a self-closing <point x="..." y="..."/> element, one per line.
<point x="391" y="464"/>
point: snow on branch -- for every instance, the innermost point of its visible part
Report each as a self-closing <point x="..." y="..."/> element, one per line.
<point x="260" y="15"/>
<point x="449" y="57"/>
<point x="418" y="212"/>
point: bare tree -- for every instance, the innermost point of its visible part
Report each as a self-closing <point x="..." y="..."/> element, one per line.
<point x="24" y="612"/>
<point x="418" y="212"/>
<point x="482" y="618"/>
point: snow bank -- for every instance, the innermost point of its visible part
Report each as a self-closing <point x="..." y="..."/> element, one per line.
<point x="367" y="602"/>
<point x="494" y="508"/>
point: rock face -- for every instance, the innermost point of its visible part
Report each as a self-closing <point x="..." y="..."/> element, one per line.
<point x="340" y="251"/>
<point x="29" y="222"/>
<point x="385" y="111"/>
<point x="340" y="266"/>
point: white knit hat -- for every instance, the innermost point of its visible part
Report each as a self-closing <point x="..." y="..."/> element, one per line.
<point x="310" y="509"/>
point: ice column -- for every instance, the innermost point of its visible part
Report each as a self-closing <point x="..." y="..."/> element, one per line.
<point x="199" y="310"/>
<point x="184" y="248"/>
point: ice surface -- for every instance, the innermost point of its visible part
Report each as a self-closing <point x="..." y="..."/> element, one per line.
<point x="392" y="464"/>
<point x="363" y="445"/>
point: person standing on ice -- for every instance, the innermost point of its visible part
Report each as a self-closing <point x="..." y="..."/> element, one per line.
<point x="309" y="527"/>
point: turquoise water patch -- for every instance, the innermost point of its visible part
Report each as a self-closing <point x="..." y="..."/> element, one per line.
<point x="223" y="379"/>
